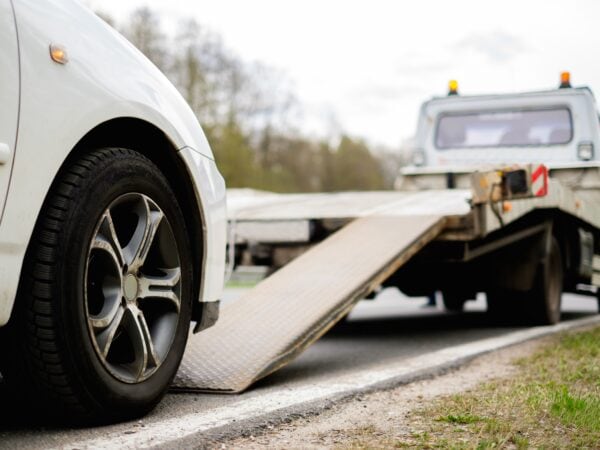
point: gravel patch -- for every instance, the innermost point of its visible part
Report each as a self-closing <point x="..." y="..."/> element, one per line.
<point x="384" y="410"/>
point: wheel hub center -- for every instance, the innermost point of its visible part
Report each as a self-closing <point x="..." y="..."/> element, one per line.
<point x="130" y="287"/>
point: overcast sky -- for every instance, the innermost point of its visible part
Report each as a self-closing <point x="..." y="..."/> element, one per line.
<point x="370" y="63"/>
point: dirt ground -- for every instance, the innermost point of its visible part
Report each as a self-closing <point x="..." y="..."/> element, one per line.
<point x="360" y="417"/>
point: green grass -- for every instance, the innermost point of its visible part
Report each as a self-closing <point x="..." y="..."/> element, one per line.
<point x="581" y="411"/>
<point x="552" y="402"/>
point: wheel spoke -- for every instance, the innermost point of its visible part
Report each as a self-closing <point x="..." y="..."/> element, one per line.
<point x="141" y="341"/>
<point x="138" y="342"/>
<point x="137" y="250"/>
<point x="105" y="338"/>
<point x="106" y="239"/>
<point x="161" y="287"/>
<point x="152" y="360"/>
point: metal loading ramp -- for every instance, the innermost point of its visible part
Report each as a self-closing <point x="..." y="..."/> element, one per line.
<point x="288" y="311"/>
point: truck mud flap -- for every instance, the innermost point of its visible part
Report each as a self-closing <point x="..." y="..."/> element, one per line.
<point x="284" y="314"/>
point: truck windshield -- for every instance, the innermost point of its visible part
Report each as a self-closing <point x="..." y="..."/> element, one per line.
<point x="508" y="128"/>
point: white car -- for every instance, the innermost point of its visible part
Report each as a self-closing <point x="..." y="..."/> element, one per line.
<point x="112" y="231"/>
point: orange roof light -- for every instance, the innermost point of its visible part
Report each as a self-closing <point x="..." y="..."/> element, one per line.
<point x="565" y="80"/>
<point x="453" y="87"/>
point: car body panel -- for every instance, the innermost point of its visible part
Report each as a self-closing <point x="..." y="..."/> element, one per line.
<point x="9" y="95"/>
<point x="209" y="188"/>
<point x="105" y="78"/>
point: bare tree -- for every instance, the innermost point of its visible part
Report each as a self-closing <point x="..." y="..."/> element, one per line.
<point x="145" y="32"/>
<point x="247" y="109"/>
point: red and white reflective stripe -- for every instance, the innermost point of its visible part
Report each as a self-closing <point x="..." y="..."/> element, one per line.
<point x="539" y="180"/>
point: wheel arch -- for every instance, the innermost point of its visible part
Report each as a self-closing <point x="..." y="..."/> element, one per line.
<point x="153" y="143"/>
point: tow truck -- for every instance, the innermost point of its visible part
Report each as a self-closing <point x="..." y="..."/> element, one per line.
<point x="536" y="235"/>
<point x="503" y="198"/>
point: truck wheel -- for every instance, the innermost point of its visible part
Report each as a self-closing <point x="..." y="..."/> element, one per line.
<point x="544" y="299"/>
<point x="453" y="301"/>
<point x="104" y="305"/>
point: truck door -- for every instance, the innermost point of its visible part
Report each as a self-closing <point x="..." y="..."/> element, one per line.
<point x="9" y="95"/>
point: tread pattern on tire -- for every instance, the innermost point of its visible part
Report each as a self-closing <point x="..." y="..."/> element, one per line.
<point x="43" y="368"/>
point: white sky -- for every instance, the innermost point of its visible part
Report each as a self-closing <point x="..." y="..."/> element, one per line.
<point x="371" y="63"/>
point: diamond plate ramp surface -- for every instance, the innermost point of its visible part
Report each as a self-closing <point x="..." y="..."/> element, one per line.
<point x="285" y="313"/>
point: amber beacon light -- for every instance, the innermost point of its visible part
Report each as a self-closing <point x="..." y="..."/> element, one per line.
<point x="565" y="80"/>
<point x="453" y="87"/>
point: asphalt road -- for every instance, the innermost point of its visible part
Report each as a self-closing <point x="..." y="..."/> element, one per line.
<point x="388" y="329"/>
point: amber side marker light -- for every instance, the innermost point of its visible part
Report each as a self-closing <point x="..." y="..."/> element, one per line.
<point x="58" y="54"/>
<point x="565" y="80"/>
<point x="453" y="87"/>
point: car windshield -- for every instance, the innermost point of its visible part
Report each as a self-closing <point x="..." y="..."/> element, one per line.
<point x="508" y="128"/>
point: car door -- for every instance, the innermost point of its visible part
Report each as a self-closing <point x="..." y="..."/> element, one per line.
<point x="9" y="95"/>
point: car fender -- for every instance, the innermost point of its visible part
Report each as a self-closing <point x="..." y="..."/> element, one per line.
<point x="105" y="78"/>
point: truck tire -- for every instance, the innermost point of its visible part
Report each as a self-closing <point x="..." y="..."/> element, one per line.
<point x="454" y="301"/>
<point x="104" y="303"/>
<point x="544" y="300"/>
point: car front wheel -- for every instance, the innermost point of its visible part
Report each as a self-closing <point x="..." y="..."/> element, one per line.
<point x="104" y="305"/>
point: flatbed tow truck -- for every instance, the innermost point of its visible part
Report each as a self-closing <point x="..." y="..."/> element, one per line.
<point x="504" y="198"/>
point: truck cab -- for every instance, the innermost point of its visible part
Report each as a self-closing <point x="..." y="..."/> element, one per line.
<point x="556" y="127"/>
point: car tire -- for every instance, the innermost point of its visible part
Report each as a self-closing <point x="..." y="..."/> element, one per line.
<point x="71" y="360"/>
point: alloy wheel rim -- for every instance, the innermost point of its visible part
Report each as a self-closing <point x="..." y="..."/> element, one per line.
<point x="132" y="288"/>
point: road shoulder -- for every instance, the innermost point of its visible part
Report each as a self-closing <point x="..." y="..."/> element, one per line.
<point x="367" y="414"/>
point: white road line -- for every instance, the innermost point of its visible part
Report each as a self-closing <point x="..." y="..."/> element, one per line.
<point x="171" y="430"/>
